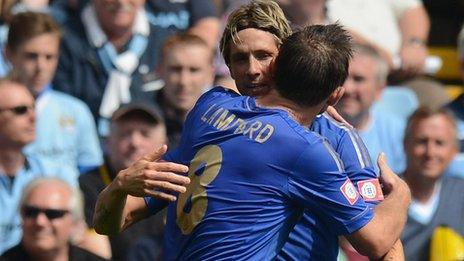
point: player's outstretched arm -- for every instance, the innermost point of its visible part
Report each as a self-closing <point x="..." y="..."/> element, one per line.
<point x="121" y="203"/>
<point x="378" y="236"/>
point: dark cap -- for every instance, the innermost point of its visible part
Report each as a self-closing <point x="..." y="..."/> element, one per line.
<point x="143" y="108"/>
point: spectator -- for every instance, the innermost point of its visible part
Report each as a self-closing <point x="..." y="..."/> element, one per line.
<point x="135" y="130"/>
<point x="430" y="144"/>
<point x="19" y="6"/>
<point x="108" y="55"/>
<point x="380" y="129"/>
<point x="185" y="79"/>
<point x="66" y="131"/>
<point x="195" y="16"/>
<point x="50" y="210"/>
<point x="397" y="28"/>
<point x="17" y="129"/>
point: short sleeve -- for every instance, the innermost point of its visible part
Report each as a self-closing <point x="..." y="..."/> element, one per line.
<point x="155" y="205"/>
<point x="358" y="165"/>
<point x="320" y="184"/>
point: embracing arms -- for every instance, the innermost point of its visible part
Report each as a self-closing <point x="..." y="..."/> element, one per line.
<point x="378" y="236"/>
<point x="121" y="203"/>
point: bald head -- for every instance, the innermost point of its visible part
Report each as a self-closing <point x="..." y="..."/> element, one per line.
<point x="49" y="209"/>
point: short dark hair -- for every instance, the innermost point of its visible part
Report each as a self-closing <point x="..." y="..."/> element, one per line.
<point x="27" y="25"/>
<point x="312" y="63"/>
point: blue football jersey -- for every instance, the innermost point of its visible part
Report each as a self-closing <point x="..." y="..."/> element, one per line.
<point x="253" y="170"/>
<point x="303" y="244"/>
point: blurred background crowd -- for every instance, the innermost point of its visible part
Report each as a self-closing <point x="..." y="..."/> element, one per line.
<point x="90" y="86"/>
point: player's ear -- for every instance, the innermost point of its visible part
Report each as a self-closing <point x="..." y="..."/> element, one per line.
<point x="335" y="96"/>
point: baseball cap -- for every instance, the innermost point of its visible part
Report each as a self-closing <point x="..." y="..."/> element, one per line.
<point x="148" y="109"/>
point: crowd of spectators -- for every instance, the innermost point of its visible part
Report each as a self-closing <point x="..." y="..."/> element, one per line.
<point x="88" y="87"/>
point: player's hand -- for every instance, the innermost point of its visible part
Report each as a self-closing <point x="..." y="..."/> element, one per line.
<point x="389" y="180"/>
<point x="151" y="177"/>
<point x="334" y="114"/>
<point x="413" y="59"/>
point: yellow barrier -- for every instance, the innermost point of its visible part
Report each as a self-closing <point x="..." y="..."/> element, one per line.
<point x="450" y="69"/>
<point x="454" y="91"/>
<point x="446" y="245"/>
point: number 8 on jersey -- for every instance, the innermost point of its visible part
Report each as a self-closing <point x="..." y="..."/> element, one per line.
<point x="192" y="205"/>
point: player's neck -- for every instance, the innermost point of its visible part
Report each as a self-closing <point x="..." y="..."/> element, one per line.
<point x="303" y="115"/>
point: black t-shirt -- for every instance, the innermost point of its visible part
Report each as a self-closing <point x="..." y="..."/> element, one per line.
<point x="18" y="253"/>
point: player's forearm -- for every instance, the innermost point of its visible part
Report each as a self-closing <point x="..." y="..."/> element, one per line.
<point x="377" y="237"/>
<point x="109" y="210"/>
<point x="392" y="212"/>
<point x="414" y="25"/>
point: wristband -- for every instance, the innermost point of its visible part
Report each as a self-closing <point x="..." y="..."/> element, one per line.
<point x="415" y="41"/>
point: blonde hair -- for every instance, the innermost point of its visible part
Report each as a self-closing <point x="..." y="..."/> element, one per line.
<point x="265" y="15"/>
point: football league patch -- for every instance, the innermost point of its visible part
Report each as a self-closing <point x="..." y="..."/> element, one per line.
<point x="370" y="190"/>
<point x="349" y="192"/>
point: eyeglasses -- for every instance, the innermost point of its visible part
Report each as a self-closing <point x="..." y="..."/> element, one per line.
<point x="33" y="212"/>
<point x="19" y="110"/>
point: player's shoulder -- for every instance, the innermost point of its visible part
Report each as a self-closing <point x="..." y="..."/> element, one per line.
<point x="219" y="96"/>
<point x="326" y="121"/>
<point x="334" y="130"/>
<point x="321" y="153"/>
<point x="218" y="92"/>
<point x="312" y="141"/>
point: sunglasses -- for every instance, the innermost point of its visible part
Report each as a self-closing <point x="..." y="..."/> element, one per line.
<point x="33" y="212"/>
<point x="19" y="110"/>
